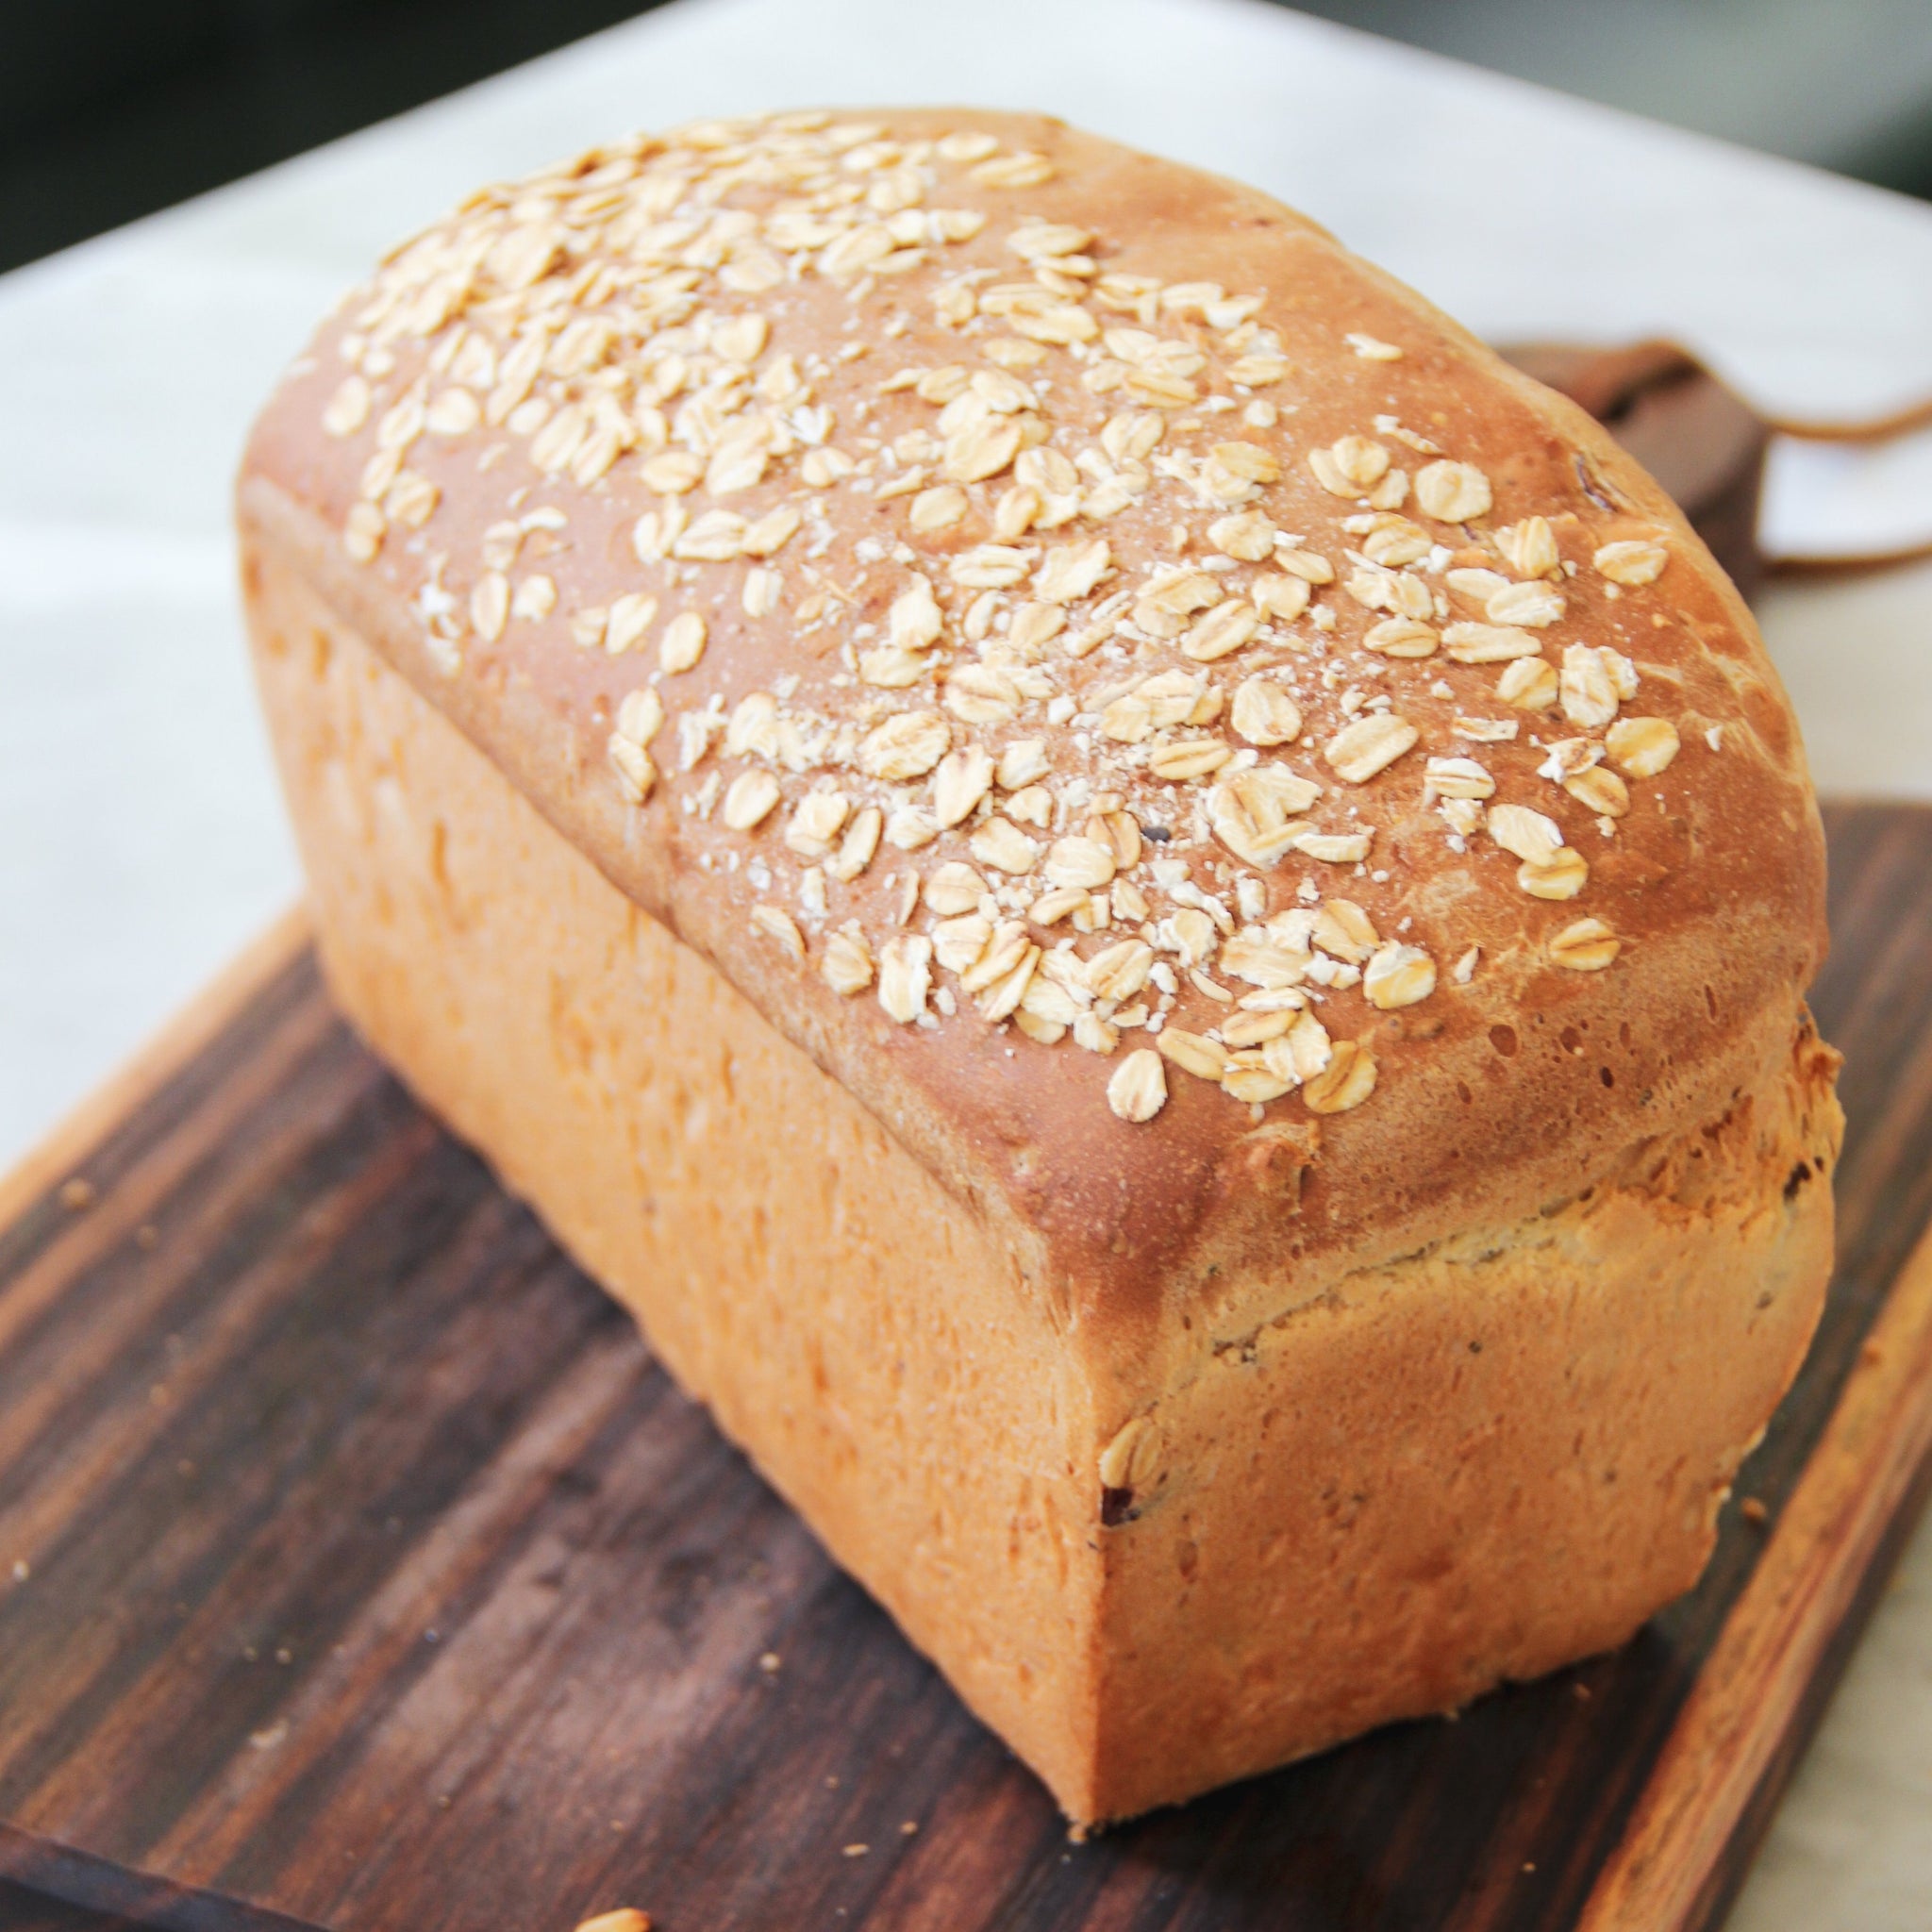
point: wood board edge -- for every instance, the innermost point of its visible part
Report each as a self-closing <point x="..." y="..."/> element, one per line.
<point x="1666" y="1873"/>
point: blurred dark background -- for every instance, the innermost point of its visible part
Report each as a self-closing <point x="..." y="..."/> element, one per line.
<point x="111" y="108"/>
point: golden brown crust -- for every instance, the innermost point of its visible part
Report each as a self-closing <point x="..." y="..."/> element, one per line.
<point x="1491" y="1096"/>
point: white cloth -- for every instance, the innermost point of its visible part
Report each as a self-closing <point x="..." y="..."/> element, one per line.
<point x="141" y="836"/>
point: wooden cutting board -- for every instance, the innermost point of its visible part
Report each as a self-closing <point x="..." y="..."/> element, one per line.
<point x="357" y="1563"/>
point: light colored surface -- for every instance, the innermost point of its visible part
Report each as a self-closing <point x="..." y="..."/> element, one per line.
<point x="1851" y="500"/>
<point x="141" y="840"/>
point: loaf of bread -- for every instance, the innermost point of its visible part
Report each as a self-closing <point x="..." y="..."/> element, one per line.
<point x="1152" y="916"/>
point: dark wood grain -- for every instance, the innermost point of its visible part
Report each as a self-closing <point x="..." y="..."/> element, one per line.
<point x="376" y="1576"/>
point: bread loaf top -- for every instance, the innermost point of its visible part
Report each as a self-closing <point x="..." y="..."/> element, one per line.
<point x="1231" y="772"/>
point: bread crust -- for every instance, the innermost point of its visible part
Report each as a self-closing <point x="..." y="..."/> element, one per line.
<point x="1491" y="1097"/>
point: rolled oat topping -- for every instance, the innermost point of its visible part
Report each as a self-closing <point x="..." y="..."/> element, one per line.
<point x="1108" y="684"/>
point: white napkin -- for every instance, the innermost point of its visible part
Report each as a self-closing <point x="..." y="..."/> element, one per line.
<point x="1848" y="502"/>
